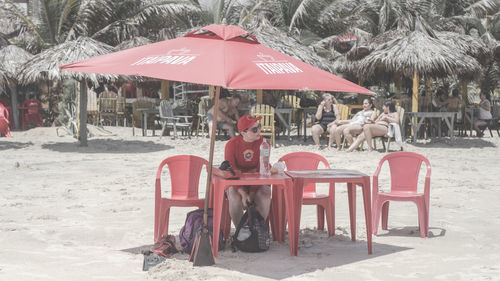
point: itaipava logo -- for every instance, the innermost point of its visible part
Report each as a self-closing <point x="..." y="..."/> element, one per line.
<point x="176" y="56"/>
<point x="271" y="66"/>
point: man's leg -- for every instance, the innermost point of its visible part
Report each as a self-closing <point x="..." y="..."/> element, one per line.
<point x="263" y="200"/>
<point x="235" y="205"/>
<point x="229" y="128"/>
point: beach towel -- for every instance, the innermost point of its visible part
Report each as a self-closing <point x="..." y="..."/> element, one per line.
<point x="395" y="131"/>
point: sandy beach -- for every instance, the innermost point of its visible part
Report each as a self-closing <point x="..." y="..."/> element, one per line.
<point x="85" y="213"/>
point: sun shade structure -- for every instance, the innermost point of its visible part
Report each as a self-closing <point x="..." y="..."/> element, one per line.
<point x="418" y="53"/>
<point x="222" y="56"/>
<point x="12" y="58"/>
<point x="45" y="65"/>
<point x="226" y="56"/>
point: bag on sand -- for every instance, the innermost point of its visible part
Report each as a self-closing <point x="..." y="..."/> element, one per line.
<point x="164" y="248"/>
<point x="252" y="233"/>
<point x="194" y="222"/>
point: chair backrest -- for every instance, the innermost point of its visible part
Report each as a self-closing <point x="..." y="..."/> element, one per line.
<point x="298" y="161"/>
<point x="166" y="109"/>
<point x="120" y="105"/>
<point x="292" y="100"/>
<point x="203" y="107"/>
<point x="107" y="102"/>
<point x="267" y="121"/>
<point x="92" y="105"/>
<point x="401" y="112"/>
<point x="185" y="171"/>
<point x="4" y="112"/>
<point x="344" y="111"/>
<point x="404" y="169"/>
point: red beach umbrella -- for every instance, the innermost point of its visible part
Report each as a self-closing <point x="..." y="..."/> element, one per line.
<point x="222" y="56"/>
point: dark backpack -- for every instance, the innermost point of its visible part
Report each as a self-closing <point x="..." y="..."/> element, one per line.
<point x="194" y="222"/>
<point x="252" y="233"/>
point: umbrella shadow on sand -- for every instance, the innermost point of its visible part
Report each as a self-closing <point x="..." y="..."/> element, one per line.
<point x="458" y="142"/>
<point x="108" y="146"/>
<point x="14" y="145"/>
<point x="315" y="254"/>
<point x="412" y="231"/>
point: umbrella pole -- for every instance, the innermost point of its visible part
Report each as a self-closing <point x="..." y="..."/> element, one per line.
<point x="202" y="253"/>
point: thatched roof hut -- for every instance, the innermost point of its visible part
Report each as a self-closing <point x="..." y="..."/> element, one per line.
<point x="365" y="47"/>
<point x="4" y="41"/>
<point x="12" y="59"/>
<point x="134" y="42"/>
<point x="465" y="44"/>
<point x="45" y="65"/>
<point x="418" y="53"/>
<point x="3" y="79"/>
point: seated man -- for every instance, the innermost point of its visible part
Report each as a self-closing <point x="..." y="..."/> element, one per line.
<point x="243" y="152"/>
<point x="228" y="109"/>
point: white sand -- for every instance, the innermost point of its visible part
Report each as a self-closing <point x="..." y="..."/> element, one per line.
<point x="74" y="213"/>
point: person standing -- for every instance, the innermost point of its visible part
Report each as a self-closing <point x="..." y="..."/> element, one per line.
<point x="243" y="152"/>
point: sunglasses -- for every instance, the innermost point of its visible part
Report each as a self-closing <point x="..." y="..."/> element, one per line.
<point x="254" y="129"/>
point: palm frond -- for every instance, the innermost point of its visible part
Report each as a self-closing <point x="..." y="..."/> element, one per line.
<point x="482" y="8"/>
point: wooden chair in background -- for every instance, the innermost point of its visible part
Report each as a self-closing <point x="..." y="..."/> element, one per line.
<point x="169" y="120"/>
<point x="107" y="108"/>
<point x="92" y="108"/>
<point x="267" y="121"/>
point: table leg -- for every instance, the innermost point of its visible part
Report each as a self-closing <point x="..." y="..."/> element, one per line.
<point x="290" y="125"/>
<point x="351" y="197"/>
<point x="293" y="201"/>
<point x="304" y="115"/>
<point x="217" y="213"/>
<point x="368" y="212"/>
<point x="142" y="121"/>
<point x="278" y="223"/>
<point x="439" y="127"/>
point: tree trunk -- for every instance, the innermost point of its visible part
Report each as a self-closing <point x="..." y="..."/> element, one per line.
<point x="83" y="114"/>
<point x="14" y="103"/>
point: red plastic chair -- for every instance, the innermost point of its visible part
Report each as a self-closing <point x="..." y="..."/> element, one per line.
<point x="4" y="121"/>
<point x="185" y="173"/>
<point x="297" y="161"/>
<point x="31" y="114"/>
<point x="404" y="170"/>
<point x="6" y="104"/>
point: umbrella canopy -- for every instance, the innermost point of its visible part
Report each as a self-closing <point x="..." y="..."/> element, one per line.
<point x="218" y="55"/>
<point x="12" y="58"/>
<point x="46" y="64"/>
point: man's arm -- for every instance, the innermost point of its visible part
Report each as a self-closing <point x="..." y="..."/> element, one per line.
<point x="230" y="154"/>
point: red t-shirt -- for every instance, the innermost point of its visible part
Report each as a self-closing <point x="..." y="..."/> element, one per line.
<point x="243" y="155"/>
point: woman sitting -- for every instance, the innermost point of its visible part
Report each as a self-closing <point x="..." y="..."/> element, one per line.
<point x="377" y="128"/>
<point x="484" y="113"/>
<point x="354" y="126"/>
<point x="326" y="114"/>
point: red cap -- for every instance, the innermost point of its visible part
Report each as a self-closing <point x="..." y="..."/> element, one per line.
<point x="247" y="121"/>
